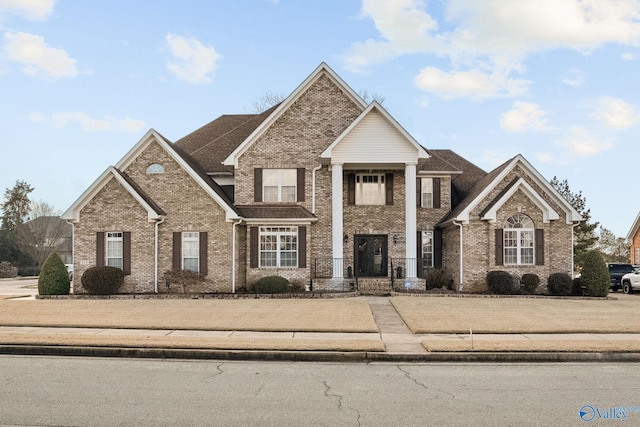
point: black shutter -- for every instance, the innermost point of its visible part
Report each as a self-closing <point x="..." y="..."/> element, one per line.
<point x="499" y="247"/>
<point x="126" y="252"/>
<point x="437" y="248"/>
<point x="419" y="263"/>
<point x="351" y="189"/>
<point x="418" y="192"/>
<point x="436" y="193"/>
<point x="204" y="247"/>
<point x="300" y="185"/>
<point x="253" y="247"/>
<point x="257" y="185"/>
<point x="302" y="247"/>
<point x="389" y="188"/>
<point x="177" y="251"/>
<point x="539" y="246"/>
<point x="100" y="248"/>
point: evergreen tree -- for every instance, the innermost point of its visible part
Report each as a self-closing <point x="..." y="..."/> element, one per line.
<point x="15" y="209"/>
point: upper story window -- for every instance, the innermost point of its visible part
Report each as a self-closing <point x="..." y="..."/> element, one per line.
<point x="279" y="185"/>
<point x="114" y="252"/>
<point x="370" y="189"/>
<point x="427" y="192"/>
<point x="519" y="240"/>
<point x="155" y="168"/>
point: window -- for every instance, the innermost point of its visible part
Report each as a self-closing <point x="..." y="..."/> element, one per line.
<point x="427" y="192"/>
<point x="279" y="185"/>
<point x="519" y="241"/>
<point x="155" y="168"/>
<point x="370" y="189"/>
<point x="427" y="249"/>
<point x="114" y="250"/>
<point x="278" y="246"/>
<point x="637" y="257"/>
<point x="191" y="251"/>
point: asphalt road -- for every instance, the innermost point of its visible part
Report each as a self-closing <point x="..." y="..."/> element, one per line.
<point x="58" y="391"/>
<point x="27" y="287"/>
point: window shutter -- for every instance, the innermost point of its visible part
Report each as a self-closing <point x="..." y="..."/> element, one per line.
<point x="419" y="194"/>
<point x="126" y="252"/>
<point x="100" y="248"/>
<point x="499" y="247"/>
<point x="351" y="189"/>
<point x="257" y="185"/>
<point x="436" y="193"/>
<point x="419" y="253"/>
<point x="177" y="250"/>
<point x="204" y="252"/>
<point x="437" y="248"/>
<point x="253" y="247"/>
<point x="389" y="187"/>
<point x="302" y="247"/>
<point x="539" y="246"/>
<point x="300" y="185"/>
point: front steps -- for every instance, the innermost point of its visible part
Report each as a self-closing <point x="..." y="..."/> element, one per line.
<point x="374" y="286"/>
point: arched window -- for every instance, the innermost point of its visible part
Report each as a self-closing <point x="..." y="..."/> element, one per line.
<point x="155" y="168"/>
<point x="519" y="240"/>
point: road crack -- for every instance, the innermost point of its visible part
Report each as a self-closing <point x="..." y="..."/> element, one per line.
<point x="426" y="387"/>
<point x="327" y="390"/>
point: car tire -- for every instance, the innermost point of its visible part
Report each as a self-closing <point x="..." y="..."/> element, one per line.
<point x="626" y="288"/>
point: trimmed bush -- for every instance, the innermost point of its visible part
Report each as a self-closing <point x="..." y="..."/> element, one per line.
<point x="28" y="271"/>
<point x="531" y="282"/>
<point x="183" y="277"/>
<point x="559" y="284"/>
<point x="54" y="278"/>
<point x="7" y="270"/>
<point x="102" y="280"/>
<point x="500" y="282"/>
<point x="595" y="274"/>
<point x="576" y="287"/>
<point x="437" y="278"/>
<point x="271" y="285"/>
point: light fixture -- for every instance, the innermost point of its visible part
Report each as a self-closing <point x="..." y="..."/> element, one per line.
<point x="346" y="238"/>
<point x="395" y="239"/>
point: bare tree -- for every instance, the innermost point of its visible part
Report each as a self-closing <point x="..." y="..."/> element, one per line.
<point x="613" y="248"/>
<point x="44" y="232"/>
<point x="373" y="97"/>
<point x="267" y="101"/>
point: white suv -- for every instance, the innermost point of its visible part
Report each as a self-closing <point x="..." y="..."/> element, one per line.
<point x="631" y="281"/>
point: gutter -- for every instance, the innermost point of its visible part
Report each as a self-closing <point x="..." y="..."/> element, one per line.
<point x="461" y="253"/>
<point x="233" y="255"/>
<point x="155" y="256"/>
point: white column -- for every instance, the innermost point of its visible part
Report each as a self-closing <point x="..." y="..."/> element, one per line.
<point x="410" y="222"/>
<point x="337" y="220"/>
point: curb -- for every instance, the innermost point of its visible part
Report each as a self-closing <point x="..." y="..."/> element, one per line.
<point x="314" y="356"/>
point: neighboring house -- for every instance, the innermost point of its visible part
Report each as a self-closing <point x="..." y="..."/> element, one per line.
<point x="633" y="239"/>
<point x="45" y="234"/>
<point x="320" y="188"/>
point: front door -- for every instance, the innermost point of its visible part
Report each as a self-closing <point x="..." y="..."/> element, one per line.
<point x="370" y="255"/>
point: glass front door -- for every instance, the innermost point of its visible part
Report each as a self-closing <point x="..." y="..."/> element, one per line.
<point x="370" y="255"/>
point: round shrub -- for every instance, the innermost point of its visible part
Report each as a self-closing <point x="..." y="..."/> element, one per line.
<point x="7" y="270"/>
<point x="54" y="278"/>
<point x="102" y="280"/>
<point x="559" y="284"/>
<point x="595" y="275"/>
<point x="271" y="285"/>
<point x="500" y="282"/>
<point x="531" y="282"/>
<point x="438" y="278"/>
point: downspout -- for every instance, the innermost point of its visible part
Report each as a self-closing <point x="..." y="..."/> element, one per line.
<point x="461" y="249"/>
<point x="155" y="256"/>
<point x="313" y="189"/>
<point x="233" y="256"/>
<point x="573" y="230"/>
<point x="73" y="245"/>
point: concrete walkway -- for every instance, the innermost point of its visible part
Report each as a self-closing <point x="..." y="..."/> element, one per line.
<point x="395" y="334"/>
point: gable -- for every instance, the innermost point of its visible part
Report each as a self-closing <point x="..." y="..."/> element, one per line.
<point x="548" y="213"/>
<point x="633" y="232"/>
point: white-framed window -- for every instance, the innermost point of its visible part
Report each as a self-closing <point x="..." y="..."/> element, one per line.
<point x="427" y="249"/>
<point x="155" y="168"/>
<point x="519" y="240"/>
<point x="427" y="192"/>
<point x="637" y="258"/>
<point x="114" y="251"/>
<point x="278" y="246"/>
<point x="279" y="185"/>
<point x="191" y="251"/>
<point x="370" y="189"/>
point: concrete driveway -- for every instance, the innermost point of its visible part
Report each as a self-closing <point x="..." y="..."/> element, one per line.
<point x="26" y="288"/>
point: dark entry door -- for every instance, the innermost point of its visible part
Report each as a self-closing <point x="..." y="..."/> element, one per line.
<point x="370" y="255"/>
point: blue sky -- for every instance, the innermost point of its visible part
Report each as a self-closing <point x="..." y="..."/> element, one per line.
<point x="555" y="80"/>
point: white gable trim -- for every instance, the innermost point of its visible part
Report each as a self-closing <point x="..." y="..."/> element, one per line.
<point x="571" y="214"/>
<point x="633" y="230"/>
<point x="323" y="68"/>
<point x="421" y="153"/>
<point x="152" y="136"/>
<point x="73" y="213"/>
<point x="548" y="213"/>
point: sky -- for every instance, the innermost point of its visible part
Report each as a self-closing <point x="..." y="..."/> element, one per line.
<point x="554" y="80"/>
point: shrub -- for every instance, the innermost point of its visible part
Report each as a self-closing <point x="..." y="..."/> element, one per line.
<point x="102" y="280"/>
<point x="271" y="285"/>
<point x="559" y="284"/>
<point x="576" y="287"/>
<point x="438" y="278"/>
<point x="296" y="287"/>
<point x="7" y="270"/>
<point x="500" y="282"/>
<point x="531" y="282"/>
<point x="28" y="271"/>
<point x="595" y="274"/>
<point x="54" y="278"/>
<point x="183" y="277"/>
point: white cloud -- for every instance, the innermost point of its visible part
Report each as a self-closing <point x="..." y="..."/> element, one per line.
<point x="615" y="113"/>
<point x="191" y="61"/>
<point x="579" y="142"/>
<point x="524" y="116"/>
<point x="39" y="59"/>
<point x="494" y="158"/>
<point x="34" y="10"/>
<point x="629" y="56"/>
<point x="90" y="124"/>
<point x="574" y="77"/>
<point x="544" y="157"/>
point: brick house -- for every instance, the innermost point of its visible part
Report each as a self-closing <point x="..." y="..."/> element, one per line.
<point x="633" y="239"/>
<point x="322" y="189"/>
